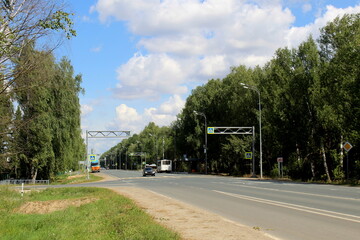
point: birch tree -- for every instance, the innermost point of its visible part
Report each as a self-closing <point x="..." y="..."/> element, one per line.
<point x="24" y="21"/>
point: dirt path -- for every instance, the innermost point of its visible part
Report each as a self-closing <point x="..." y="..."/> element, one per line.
<point x="190" y="222"/>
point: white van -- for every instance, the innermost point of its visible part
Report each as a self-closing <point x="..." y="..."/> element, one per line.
<point x="164" y="165"/>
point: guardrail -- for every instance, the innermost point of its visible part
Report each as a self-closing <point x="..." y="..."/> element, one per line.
<point x="25" y="181"/>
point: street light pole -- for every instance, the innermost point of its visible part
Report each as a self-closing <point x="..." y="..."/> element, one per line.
<point x="258" y="92"/>
<point x="163" y="148"/>
<point x="120" y="151"/>
<point x="155" y="148"/>
<point x="141" y="152"/>
<point x="205" y="146"/>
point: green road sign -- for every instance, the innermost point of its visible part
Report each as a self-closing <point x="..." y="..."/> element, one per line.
<point x="248" y="155"/>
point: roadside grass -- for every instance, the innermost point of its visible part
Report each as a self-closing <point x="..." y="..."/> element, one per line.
<point x="74" y="179"/>
<point x="112" y="216"/>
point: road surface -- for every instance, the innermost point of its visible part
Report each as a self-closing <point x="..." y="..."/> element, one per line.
<point x="285" y="210"/>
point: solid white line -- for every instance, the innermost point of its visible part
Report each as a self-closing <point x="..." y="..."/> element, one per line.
<point x="152" y="177"/>
<point x="317" y="211"/>
<point x="301" y="193"/>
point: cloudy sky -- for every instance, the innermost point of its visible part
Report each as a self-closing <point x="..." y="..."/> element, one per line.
<point x="140" y="59"/>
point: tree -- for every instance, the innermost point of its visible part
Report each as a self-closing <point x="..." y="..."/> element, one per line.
<point x="67" y="142"/>
<point x="340" y="50"/>
<point x="36" y="102"/>
<point x="23" y="22"/>
<point x="6" y="111"/>
<point x="50" y="117"/>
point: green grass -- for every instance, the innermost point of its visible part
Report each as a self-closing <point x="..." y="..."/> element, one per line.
<point x="64" y="179"/>
<point x="112" y="216"/>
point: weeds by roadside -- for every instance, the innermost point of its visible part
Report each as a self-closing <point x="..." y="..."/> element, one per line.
<point x="75" y="179"/>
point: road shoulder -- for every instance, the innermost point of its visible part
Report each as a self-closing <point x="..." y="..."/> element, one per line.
<point x="189" y="221"/>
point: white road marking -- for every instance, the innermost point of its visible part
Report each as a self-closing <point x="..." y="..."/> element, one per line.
<point x="127" y="178"/>
<point x="342" y="216"/>
<point x="301" y="193"/>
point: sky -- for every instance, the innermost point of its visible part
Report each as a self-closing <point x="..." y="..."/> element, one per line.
<point x="140" y="59"/>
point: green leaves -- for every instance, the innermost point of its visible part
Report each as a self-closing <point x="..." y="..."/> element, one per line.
<point x="60" y="20"/>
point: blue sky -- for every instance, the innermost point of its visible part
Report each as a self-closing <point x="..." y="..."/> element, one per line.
<point x="140" y="59"/>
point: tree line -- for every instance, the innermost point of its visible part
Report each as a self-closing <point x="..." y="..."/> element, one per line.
<point x="40" y="134"/>
<point x="310" y="102"/>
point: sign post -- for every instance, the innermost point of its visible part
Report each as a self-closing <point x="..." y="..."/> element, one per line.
<point x="347" y="147"/>
<point x="280" y="161"/>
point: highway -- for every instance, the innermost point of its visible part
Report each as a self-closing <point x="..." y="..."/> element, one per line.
<point x="285" y="210"/>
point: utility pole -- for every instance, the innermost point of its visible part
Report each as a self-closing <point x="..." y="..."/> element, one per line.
<point x="205" y="145"/>
<point x="258" y="92"/>
<point x="163" y="148"/>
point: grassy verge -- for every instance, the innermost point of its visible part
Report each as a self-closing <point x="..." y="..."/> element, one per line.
<point x="81" y="178"/>
<point x="111" y="216"/>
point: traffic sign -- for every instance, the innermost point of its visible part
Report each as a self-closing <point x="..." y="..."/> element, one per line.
<point x="347" y="146"/>
<point x="280" y="159"/>
<point x="248" y="155"/>
<point x="210" y="130"/>
<point x="92" y="157"/>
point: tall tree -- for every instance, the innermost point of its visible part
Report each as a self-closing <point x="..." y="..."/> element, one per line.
<point x="34" y="97"/>
<point x="6" y="111"/>
<point x="340" y="50"/>
<point x="67" y="142"/>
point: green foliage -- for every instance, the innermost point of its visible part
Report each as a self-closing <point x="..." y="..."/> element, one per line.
<point x="232" y="155"/>
<point x="46" y="130"/>
<point x="6" y="112"/>
<point x="154" y="142"/>
<point x="67" y="142"/>
<point x="59" y="20"/>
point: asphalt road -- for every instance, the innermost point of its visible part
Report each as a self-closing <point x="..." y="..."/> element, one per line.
<point x="283" y="209"/>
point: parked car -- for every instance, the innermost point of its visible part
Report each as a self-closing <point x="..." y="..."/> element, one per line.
<point x="148" y="171"/>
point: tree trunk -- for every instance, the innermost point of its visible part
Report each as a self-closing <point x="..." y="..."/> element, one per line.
<point x="298" y="153"/>
<point x="325" y="163"/>
<point x="312" y="169"/>
<point x="341" y="152"/>
<point x="33" y="174"/>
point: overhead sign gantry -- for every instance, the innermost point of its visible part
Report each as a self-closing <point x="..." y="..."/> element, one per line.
<point x="104" y="134"/>
<point x="237" y="130"/>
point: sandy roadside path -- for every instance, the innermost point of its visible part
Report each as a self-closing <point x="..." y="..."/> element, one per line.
<point x="190" y="222"/>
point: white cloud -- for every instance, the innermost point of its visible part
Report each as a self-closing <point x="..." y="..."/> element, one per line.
<point x="213" y="65"/>
<point x="296" y="35"/>
<point x="187" y="41"/>
<point x="85" y="18"/>
<point x="306" y="8"/>
<point x="128" y="118"/>
<point x="96" y="49"/>
<point x="126" y="114"/>
<point x="173" y="106"/>
<point x="148" y="76"/>
<point x="86" y="109"/>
